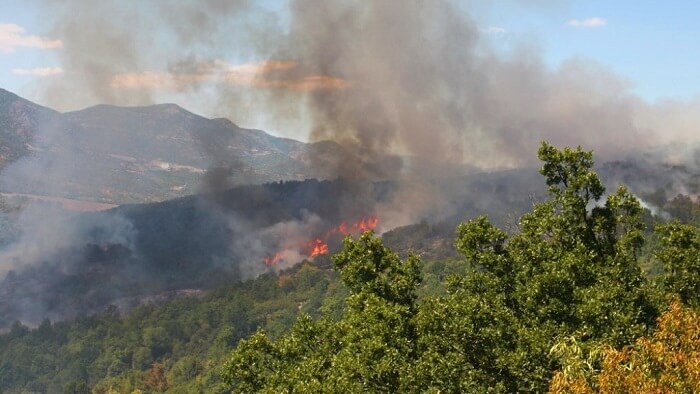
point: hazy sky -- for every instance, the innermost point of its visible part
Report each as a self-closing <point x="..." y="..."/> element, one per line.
<point x="650" y="44"/>
<point x="653" y="44"/>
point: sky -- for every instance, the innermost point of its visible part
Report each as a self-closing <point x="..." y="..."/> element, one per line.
<point x="18" y="51"/>
<point x="651" y="45"/>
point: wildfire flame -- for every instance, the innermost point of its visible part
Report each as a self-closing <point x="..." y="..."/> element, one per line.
<point x="367" y="224"/>
<point x="274" y="259"/>
<point x="319" y="246"/>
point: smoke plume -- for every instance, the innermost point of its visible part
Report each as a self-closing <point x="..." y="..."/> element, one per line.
<point x="379" y="78"/>
<point x="407" y="91"/>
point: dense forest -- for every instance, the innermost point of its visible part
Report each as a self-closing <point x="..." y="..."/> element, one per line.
<point x="588" y="293"/>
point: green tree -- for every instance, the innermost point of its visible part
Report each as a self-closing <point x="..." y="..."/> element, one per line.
<point x="680" y="256"/>
<point x="571" y="271"/>
<point x="370" y="348"/>
<point x="76" y="387"/>
<point x="466" y="339"/>
<point x="575" y="258"/>
<point x="683" y="208"/>
<point x="668" y="361"/>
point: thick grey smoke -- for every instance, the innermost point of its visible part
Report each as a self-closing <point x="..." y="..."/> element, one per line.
<point x="407" y="89"/>
<point x="46" y="231"/>
<point x="110" y="38"/>
<point x="288" y="239"/>
<point x="378" y="77"/>
<point x="41" y="228"/>
<point x="420" y="83"/>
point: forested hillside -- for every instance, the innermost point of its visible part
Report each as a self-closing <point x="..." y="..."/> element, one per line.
<point x="138" y="251"/>
<point x="188" y="339"/>
<point x="583" y="290"/>
<point x="569" y="274"/>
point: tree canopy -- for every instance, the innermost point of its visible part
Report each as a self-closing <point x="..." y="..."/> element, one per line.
<point x="560" y="303"/>
<point x="570" y="271"/>
<point x="667" y="361"/>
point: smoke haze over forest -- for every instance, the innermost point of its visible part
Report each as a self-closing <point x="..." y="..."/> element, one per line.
<point x="415" y="95"/>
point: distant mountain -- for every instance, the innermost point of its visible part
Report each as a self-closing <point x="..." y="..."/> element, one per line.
<point x="19" y="121"/>
<point x="123" y="155"/>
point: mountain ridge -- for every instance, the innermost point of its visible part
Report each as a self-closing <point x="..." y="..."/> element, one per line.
<point x="117" y="155"/>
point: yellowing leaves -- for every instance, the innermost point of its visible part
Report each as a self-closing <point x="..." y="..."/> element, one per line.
<point x="666" y="362"/>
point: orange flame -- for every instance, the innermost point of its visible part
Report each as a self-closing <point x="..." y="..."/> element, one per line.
<point x="364" y="224"/>
<point x="319" y="246"/>
<point x="367" y="224"/>
<point x="273" y="259"/>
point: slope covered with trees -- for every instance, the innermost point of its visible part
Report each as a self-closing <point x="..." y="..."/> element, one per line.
<point x="187" y="339"/>
<point x="571" y="272"/>
<point x="562" y="303"/>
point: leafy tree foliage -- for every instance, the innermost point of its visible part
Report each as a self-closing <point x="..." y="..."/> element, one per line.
<point x="684" y="209"/>
<point x="191" y="337"/>
<point x="369" y="349"/>
<point x="572" y="268"/>
<point x="177" y="347"/>
<point x="680" y="256"/>
<point x="666" y="362"/>
<point x="571" y="271"/>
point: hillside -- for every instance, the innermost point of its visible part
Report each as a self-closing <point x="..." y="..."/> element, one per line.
<point x="134" y="252"/>
<point x="72" y="265"/>
<point x="466" y="312"/>
<point x="122" y="155"/>
<point x="19" y="121"/>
